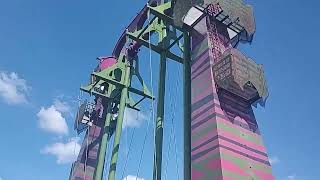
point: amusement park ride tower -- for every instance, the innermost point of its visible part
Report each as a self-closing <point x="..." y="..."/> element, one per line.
<point x="222" y="140"/>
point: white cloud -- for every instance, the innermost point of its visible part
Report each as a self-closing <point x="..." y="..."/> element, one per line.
<point x="130" y="177"/>
<point x="64" y="152"/>
<point x="274" y="160"/>
<point x="51" y="120"/>
<point x="133" y="118"/>
<point x="62" y="106"/>
<point x="292" y="177"/>
<point x="12" y="88"/>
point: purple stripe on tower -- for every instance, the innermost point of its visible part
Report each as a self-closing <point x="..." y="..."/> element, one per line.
<point x="220" y="123"/>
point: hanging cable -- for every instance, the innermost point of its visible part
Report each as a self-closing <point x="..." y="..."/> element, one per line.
<point x="166" y="162"/>
<point x="129" y="149"/>
<point x="151" y="82"/>
<point x="143" y="146"/>
<point x="152" y="114"/>
<point x="173" y="105"/>
<point x="168" y="154"/>
<point x="174" y="136"/>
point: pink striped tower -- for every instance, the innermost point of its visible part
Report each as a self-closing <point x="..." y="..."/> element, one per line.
<point x="226" y="141"/>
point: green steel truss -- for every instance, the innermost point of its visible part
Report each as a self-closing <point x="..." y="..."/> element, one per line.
<point x="117" y="79"/>
<point x="169" y="35"/>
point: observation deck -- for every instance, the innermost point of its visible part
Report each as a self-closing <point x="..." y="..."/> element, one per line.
<point x="242" y="76"/>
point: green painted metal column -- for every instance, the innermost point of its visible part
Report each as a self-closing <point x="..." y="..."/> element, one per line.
<point x="103" y="147"/>
<point x="187" y="104"/>
<point x="160" y="105"/>
<point x="117" y="136"/>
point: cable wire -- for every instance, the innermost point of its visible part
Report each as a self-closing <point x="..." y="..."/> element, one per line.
<point x="152" y="91"/>
<point x="173" y="105"/>
<point x="143" y="146"/>
<point x="129" y="150"/>
<point x="152" y="114"/>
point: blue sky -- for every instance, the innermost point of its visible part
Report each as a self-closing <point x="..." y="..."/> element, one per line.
<point x="48" y="48"/>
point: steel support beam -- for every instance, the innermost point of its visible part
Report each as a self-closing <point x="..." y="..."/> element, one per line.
<point x="187" y="105"/>
<point x="117" y="136"/>
<point x="103" y="147"/>
<point x="160" y="105"/>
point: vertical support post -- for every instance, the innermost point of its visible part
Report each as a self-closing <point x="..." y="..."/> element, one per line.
<point x="187" y="104"/>
<point x="160" y="105"/>
<point x="103" y="147"/>
<point x="117" y="136"/>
